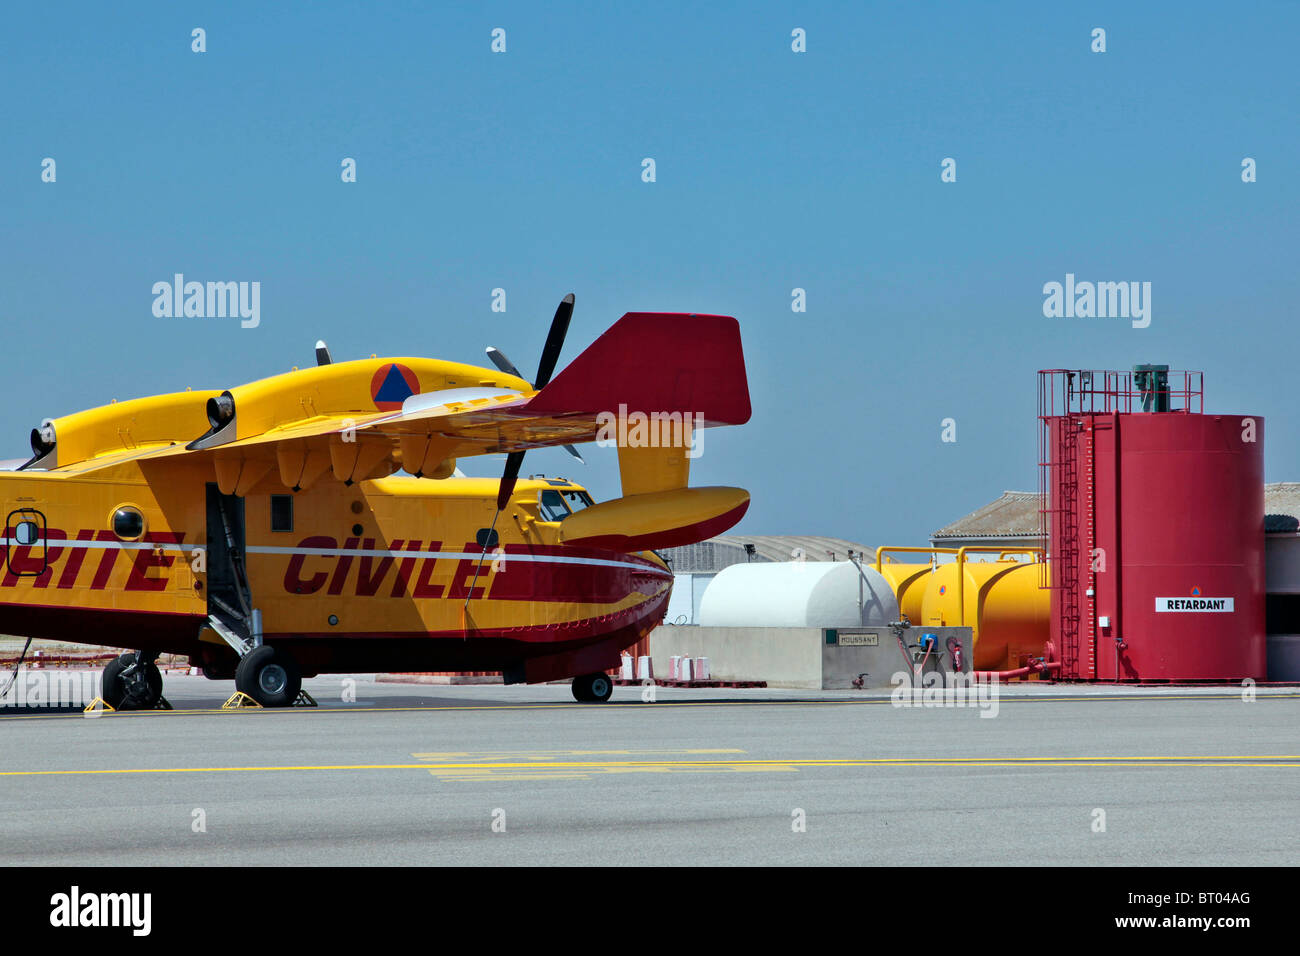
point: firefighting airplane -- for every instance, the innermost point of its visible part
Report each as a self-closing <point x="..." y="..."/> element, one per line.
<point x="262" y="531"/>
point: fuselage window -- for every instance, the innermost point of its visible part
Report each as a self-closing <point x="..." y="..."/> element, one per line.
<point x="128" y="523"/>
<point x="27" y="532"/>
<point x="281" y="512"/>
<point x="487" y="538"/>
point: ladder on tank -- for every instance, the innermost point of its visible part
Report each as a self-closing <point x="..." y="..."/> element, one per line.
<point x="1067" y="544"/>
<point x="1058" y="491"/>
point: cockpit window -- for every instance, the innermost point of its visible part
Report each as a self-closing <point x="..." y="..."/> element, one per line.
<point x="551" y="506"/>
<point x="577" y="500"/>
<point x="558" y="505"/>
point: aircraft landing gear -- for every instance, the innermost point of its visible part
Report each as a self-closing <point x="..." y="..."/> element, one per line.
<point x="132" y="682"/>
<point x="270" y="677"/>
<point x="592" y="688"/>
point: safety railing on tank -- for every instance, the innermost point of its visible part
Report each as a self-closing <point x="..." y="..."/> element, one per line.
<point x="886" y="549"/>
<point x="1107" y="391"/>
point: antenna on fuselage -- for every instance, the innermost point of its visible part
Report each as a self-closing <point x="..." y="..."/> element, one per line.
<point x="323" y="353"/>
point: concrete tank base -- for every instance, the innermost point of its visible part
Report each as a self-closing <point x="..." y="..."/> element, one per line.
<point x="812" y="658"/>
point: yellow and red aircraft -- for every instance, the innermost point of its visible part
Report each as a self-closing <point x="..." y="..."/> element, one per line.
<point x="263" y="532"/>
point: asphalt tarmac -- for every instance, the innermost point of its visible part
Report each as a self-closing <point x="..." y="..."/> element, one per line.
<point x="491" y="775"/>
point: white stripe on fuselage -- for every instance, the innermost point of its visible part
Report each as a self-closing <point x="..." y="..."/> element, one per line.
<point x="353" y="552"/>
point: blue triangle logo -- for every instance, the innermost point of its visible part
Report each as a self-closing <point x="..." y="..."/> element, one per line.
<point x="394" y="389"/>
<point x="1196" y="592"/>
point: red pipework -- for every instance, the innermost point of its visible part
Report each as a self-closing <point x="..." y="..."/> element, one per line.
<point x="1039" y="667"/>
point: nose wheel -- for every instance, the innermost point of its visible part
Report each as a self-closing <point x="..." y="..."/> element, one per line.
<point x="132" y="682"/>
<point x="592" y="688"/>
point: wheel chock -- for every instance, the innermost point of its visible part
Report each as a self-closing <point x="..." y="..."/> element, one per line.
<point x="163" y="704"/>
<point x="304" y="699"/>
<point x="239" y="699"/>
<point x="99" y="706"/>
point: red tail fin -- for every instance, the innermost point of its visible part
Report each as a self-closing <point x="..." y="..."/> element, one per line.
<point x="657" y="362"/>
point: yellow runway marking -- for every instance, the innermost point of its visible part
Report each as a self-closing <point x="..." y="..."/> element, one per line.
<point x="1004" y="698"/>
<point x="1283" y="761"/>
<point x="539" y="754"/>
<point x="547" y="764"/>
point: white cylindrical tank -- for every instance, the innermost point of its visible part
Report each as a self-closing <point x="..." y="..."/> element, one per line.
<point x="798" y="594"/>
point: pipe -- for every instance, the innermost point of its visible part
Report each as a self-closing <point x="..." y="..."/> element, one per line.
<point x="904" y="550"/>
<point x="1036" y="668"/>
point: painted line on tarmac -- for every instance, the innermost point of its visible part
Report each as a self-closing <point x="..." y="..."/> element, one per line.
<point x="1289" y="761"/>
<point x="560" y="705"/>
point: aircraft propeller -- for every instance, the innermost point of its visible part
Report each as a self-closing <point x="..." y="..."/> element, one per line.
<point x="500" y="361"/>
<point x="545" y="369"/>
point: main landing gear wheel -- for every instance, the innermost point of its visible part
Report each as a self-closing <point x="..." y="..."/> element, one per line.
<point x="592" y="688"/>
<point x="130" y="683"/>
<point x="269" y="676"/>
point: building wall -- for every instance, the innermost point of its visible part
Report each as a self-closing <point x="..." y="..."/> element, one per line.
<point x="684" y="604"/>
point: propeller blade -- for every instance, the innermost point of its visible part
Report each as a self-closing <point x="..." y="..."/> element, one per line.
<point x="514" y="461"/>
<point x="323" y="353"/>
<point x="545" y="368"/>
<point x="504" y="364"/>
<point x="554" y="342"/>
<point x="574" y="452"/>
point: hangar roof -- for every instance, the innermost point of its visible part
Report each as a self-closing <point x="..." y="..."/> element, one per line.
<point x="1014" y="513"/>
<point x="728" y="549"/>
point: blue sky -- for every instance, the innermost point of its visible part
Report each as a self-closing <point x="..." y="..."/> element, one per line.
<point x="775" y="170"/>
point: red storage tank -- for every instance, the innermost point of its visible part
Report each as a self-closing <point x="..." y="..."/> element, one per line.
<point x="1155" y="523"/>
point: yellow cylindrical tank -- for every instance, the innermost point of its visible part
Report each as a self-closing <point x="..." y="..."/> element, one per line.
<point x="1004" y="605"/>
<point x="908" y="579"/>
<point x="908" y="582"/>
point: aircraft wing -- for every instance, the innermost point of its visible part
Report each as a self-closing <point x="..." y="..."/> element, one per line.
<point x="310" y="423"/>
